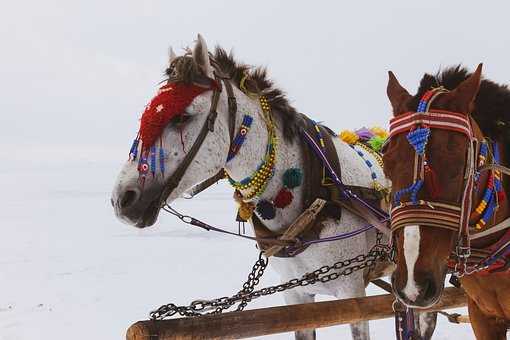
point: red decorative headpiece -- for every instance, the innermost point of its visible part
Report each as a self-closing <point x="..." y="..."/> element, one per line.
<point x="170" y="101"/>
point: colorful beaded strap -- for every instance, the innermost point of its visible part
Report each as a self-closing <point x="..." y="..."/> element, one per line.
<point x="240" y="137"/>
<point x="258" y="181"/>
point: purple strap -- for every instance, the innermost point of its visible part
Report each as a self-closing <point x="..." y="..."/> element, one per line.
<point x="340" y="236"/>
<point x="345" y="191"/>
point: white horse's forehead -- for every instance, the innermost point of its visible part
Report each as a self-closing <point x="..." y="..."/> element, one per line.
<point x="201" y="103"/>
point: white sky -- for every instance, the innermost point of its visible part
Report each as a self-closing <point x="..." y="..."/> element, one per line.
<point x="76" y="75"/>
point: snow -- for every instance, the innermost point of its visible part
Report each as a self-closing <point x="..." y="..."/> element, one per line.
<point x="69" y="269"/>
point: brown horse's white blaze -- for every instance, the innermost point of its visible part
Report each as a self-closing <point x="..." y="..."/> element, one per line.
<point x="411" y="252"/>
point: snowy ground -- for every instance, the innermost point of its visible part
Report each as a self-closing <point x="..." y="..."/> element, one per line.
<point x="69" y="269"/>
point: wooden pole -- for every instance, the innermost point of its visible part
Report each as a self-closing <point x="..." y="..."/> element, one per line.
<point x="265" y="321"/>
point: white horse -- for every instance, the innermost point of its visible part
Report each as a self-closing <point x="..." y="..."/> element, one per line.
<point x="141" y="210"/>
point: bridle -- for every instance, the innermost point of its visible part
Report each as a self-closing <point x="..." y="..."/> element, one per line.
<point x="173" y="181"/>
<point x="450" y="216"/>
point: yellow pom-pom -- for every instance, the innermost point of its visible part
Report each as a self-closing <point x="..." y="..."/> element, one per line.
<point x="246" y="211"/>
<point x="349" y="137"/>
<point x="378" y="131"/>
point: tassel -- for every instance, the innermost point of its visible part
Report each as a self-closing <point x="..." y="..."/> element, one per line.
<point x="153" y="160"/>
<point x="432" y="182"/>
<point x="134" y="149"/>
<point x="161" y="158"/>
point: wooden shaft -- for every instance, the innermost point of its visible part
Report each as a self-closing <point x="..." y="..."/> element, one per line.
<point x="265" y="321"/>
<point x="302" y="223"/>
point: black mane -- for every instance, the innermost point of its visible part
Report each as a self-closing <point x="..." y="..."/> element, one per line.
<point x="257" y="81"/>
<point x="492" y="104"/>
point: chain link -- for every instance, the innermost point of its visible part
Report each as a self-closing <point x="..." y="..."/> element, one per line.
<point x="379" y="252"/>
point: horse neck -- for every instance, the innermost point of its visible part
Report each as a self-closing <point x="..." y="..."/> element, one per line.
<point x="251" y="154"/>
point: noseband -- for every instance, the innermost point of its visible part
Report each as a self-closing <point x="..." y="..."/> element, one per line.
<point x="451" y="216"/>
<point x="173" y="181"/>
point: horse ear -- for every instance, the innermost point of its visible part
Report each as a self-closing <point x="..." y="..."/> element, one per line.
<point x="201" y="56"/>
<point x="397" y="95"/>
<point x="466" y="92"/>
<point x="171" y="55"/>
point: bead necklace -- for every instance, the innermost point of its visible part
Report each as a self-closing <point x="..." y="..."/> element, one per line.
<point x="377" y="186"/>
<point x="258" y="181"/>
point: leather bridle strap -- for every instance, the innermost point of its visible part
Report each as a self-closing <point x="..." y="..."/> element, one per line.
<point x="173" y="181"/>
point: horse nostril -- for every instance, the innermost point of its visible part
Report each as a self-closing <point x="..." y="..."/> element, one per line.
<point x="129" y="197"/>
<point x="429" y="289"/>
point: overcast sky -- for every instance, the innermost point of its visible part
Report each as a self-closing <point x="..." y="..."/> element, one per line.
<point x="74" y="76"/>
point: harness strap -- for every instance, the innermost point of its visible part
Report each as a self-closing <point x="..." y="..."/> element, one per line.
<point x="505" y="224"/>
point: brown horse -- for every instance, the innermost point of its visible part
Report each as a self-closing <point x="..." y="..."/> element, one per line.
<point x="429" y="166"/>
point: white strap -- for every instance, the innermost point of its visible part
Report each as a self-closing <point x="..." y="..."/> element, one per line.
<point x="498" y="227"/>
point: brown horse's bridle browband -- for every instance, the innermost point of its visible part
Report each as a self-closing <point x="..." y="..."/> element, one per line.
<point x="451" y="216"/>
<point x="173" y="181"/>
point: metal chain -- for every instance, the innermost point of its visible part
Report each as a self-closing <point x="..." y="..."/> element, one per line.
<point x="323" y="274"/>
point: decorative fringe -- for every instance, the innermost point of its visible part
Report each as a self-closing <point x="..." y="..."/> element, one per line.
<point x="432" y="182"/>
<point x="377" y="142"/>
<point x="349" y="137"/>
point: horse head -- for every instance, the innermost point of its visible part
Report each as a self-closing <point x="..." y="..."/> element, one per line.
<point x="183" y="123"/>
<point x="429" y="159"/>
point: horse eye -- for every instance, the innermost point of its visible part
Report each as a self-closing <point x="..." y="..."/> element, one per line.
<point x="180" y="120"/>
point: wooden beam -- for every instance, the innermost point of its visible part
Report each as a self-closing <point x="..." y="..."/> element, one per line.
<point x="265" y="321"/>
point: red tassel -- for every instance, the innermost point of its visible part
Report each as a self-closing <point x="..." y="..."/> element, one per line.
<point x="431" y="182"/>
<point x="501" y="196"/>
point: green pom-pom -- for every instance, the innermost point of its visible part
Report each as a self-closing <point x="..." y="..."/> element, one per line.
<point x="376" y="143"/>
<point x="292" y="178"/>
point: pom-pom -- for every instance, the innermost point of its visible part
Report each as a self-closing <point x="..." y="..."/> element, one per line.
<point x="266" y="210"/>
<point x="376" y="142"/>
<point x="292" y="178"/>
<point x="379" y="131"/>
<point x="283" y="198"/>
<point x="245" y="211"/>
<point x="349" y="137"/>
<point x="364" y="133"/>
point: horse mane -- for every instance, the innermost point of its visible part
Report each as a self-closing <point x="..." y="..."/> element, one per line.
<point x="257" y="81"/>
<point x="492" y="104"/>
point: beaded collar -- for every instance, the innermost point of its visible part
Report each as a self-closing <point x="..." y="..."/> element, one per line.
<point x="257" y="182"/>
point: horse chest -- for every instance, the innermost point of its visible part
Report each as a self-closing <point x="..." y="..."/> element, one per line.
<point x="491" y="293"/>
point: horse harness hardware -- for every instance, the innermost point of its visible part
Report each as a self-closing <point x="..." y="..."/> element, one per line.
<point x="450" y="216"/>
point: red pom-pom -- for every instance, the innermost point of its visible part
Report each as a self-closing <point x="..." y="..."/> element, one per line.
<point x="171" y="101"/>
<point x="283" y="198"/>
